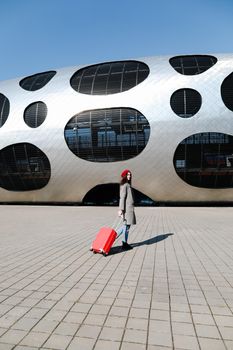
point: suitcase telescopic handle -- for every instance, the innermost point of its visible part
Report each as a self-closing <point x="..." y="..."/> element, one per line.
<point x="117" y="223"/>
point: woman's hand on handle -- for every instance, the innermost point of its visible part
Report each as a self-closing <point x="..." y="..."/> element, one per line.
<point x="120" y="213"/>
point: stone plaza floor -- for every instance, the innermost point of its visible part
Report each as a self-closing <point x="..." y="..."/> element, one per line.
<point x="174" y="290"/>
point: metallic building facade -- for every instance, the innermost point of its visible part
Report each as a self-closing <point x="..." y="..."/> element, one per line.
<point x="176" y="99"/>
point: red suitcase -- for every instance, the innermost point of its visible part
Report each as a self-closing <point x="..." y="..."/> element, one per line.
<point x="104" y="240"/>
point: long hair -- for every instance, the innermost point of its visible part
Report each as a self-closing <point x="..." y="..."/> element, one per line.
<point x="125" y="180"/>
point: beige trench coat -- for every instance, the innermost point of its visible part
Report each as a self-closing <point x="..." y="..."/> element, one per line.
<point x="127" y="204"/>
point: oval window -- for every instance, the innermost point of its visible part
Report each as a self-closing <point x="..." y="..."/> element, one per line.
<point x="192" y="64"/>
<point x="227" y="91"/>
<point x="108" y="194"/>
<point x="4" y="109"/>
<point x="206" y="160"/>
<point x="36" y="81"/>
<point x="107" y="135"/>
<point x="185" y="102"/>
<point x="23" y="167"/>
<point x="109" y="78"/>
<point x="35" y="114"/>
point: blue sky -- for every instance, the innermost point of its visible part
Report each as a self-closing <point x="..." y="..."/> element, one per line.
<point x="38" y="35"/>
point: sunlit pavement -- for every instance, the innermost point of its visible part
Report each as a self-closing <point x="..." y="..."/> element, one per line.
<point x="174" y="290"/>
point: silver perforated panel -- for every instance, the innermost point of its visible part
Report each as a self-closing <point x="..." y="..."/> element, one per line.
<point x="153" y="170"/>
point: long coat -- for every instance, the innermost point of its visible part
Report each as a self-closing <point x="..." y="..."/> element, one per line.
<point x="127" y="204"/>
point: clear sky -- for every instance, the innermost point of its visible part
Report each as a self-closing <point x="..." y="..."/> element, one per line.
<point x="39" y="35"/>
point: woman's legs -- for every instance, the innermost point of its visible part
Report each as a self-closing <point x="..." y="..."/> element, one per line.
<point x="125" y="231"/>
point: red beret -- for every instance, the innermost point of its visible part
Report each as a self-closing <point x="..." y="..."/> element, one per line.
<point x="125" y="172"/>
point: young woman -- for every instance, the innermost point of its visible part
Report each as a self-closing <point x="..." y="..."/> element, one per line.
<point x="126" y="207"/>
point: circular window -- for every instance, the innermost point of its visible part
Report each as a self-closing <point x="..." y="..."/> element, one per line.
<point x="23" y="167"/>
<point x="109" y="78"/>
<point x="227" y="91"/>
<point x="192" y="64"/>
<point x="107" y="135"/>
<point x="36" y="81"/>
<point x="35" y="114"/>
<point x="4" y="109"/>
<point x="185" y="102"/>
<point x="206" y="160"/>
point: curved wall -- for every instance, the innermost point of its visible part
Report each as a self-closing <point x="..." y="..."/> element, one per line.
<point x="154" y="168"/>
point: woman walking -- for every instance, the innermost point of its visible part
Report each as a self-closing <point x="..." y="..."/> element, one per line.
<point x="126" y="207"/>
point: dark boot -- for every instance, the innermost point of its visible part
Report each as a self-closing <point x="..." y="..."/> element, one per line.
<point x="126" y="246"/>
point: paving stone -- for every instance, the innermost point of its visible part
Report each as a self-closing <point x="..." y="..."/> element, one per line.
<point x="118" y="311"/>
<point x="65" y="328"/>
<point x="81" y="343"/>
<point x="157" y="347"/>
<point x="115" y="321"/>
<point x="160" y="315"/>
<point x="137" y="323"/>
<point x="86" y="331"/>
<point x="224" y="320"/>
<point x="226" y="332"/>
<point x="107" y="344"/>
<point x="22" y="347"/>
<point x="206" y="331"/>
<point x="93" y="319"/>
<point x="13" y="336"/>
<point x="99" y="309"/>
<point x="4" y="346"/>
<point x="110" y="333"/>
<point x="139" y="313"/>
<point x="45" y="326"/>
<point x="59" y="342"/>
<point x="133" y="346"/>
<point x="186" y="342"/>
<point x="161" y="339"/>
<point x="181" y="317"/>
<point x="75" y="317"/>
<point x="34" y="339"/>
<point x="182" y="328"/>
<point x="135" y="336"/>
<point x="213" y="344"/>
<point x="229" y="344"/>
<point x="80" y="307"/>
<point x="203" y="319"/>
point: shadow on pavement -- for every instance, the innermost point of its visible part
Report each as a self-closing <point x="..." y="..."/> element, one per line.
<point x="153" y="240"/>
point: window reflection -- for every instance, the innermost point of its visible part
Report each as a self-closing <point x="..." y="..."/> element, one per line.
<point x="206" y="160"/>
<point x="36" y="81"/>
<point x="35" y="114"/>
<point x="23" y="167"/>
<point x="109" y="78"/>
<point x="4" y="109"/>
<point x="192" y="64"/>
<point x="185" y="102"/>
<point x="227" y="91"/>
<point x="107" y="135"/>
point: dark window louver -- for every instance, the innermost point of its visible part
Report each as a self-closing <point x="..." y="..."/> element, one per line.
<point x="185" y="102"/>
<point x="192" y="65"/>
<point x="23" y="167"/>
<point x="4" y="109"/>
<point x="107" y="135"/>
<point x="206" y="160"/>
<point x="227" y="91"/>
<point x="36" y="81"/>
<point x="35" y="114"/>
<point x="109" y="78"/>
